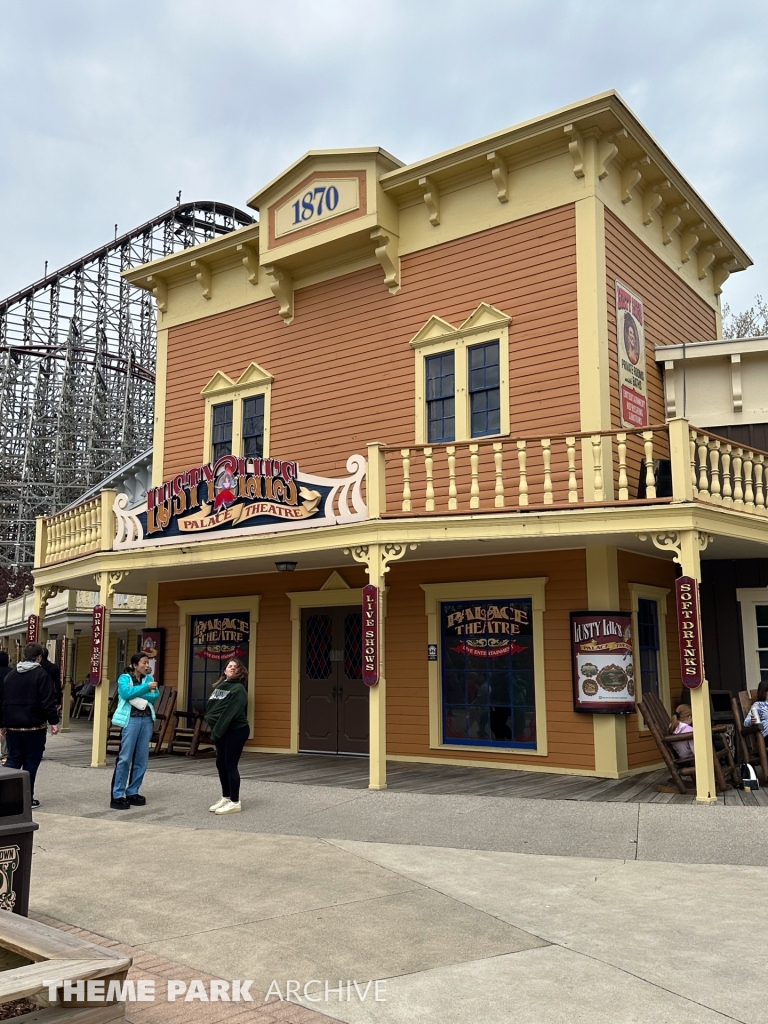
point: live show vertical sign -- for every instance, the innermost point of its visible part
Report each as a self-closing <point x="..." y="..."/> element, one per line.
<point x="370" y="635"/>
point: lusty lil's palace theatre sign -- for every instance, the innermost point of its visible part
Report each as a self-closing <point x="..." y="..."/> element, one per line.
<point x="236" y="497"/>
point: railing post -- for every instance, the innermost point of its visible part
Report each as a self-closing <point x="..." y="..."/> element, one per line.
<point x="107" y="524"/>
<point x="41" y="541"/>
<point x="376" y="481"/>
<point x="680" y="458"/>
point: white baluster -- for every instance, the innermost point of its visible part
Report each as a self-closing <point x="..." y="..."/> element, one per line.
<point x="453" y="503"/>
<point x="759" y="484"/>
<point x="650" y="476"/>
<point x="429" y="496"/>
<point x="597" y="466"/>
<point x="694" y="482"/>
<point x="725" y="472"/>
<point x="523" y="485"/>
<point x="623" y="482"/>
<point x="546" y="455"/>
<point x="749" y="493"/>
<point x="703" y="488"/>
<point x="405" y="454"/>
<point x="498" y="457"/>
<point x="474" y="462"/>
<point x="715" y="491"/>
<point x="738" y="490"/>
<point x="573" y="487"/>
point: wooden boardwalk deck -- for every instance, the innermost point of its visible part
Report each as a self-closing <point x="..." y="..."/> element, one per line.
<point x="408" y="777"/>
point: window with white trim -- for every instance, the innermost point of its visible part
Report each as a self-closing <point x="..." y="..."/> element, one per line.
<point x="462" y="378"/>
<point x="649" y="636"/>
<point x="237" y="414"/>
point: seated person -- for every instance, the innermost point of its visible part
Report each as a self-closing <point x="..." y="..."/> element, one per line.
<point x="758" y="713"/>
<point x="682" y="723"/>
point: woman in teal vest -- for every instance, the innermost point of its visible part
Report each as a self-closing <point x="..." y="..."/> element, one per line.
<point x="135" y="714"/>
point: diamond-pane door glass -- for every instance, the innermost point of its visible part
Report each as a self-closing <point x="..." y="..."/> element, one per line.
<point x="353" y="645"/>
<point x="319" y="643"/>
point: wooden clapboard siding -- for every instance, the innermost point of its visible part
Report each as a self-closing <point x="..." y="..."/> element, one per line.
<point x="673" y="312"/>
<point x="344" y="371"/>
<point x="654" y="572"/>
<point x="570" y="736"/>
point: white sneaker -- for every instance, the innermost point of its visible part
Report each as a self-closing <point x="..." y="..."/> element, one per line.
<point x="229" y="808"/>
<point x="219" y="803"/>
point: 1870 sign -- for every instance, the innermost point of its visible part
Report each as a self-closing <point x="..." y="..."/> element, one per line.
<point x="689" y="630"/>
<point x="235" y="497"/>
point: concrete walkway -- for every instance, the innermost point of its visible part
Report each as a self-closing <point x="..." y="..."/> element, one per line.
<point x="469" y="909"/>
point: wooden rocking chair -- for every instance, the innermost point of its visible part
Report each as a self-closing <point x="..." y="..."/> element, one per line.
<point x="658" y="721"/>
<point x="166" y="702"/>
<point x="749" y="737"/>
<point x="188" y="738"/>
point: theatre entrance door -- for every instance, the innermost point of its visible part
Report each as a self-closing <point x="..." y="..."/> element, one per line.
<point x="333" y="715"/>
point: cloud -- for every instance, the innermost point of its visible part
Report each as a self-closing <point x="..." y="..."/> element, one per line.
<point x="110" y="107"/>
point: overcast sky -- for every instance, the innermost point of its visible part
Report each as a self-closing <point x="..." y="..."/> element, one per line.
<point x="109" y="108"/>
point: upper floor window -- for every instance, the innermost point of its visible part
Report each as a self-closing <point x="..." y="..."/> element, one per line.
<point x="253" y="427"/>
<point x="222" y="430"/>
<point x="484" y="396"/>
<point x="462" y="378"/>
<point x="237" y="414"/>
<point x="440" y="398"/>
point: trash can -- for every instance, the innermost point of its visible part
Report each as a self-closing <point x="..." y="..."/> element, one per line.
<point x="16" y="828"/>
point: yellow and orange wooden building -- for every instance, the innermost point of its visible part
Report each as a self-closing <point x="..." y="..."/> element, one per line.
<point x="440" y="379"/>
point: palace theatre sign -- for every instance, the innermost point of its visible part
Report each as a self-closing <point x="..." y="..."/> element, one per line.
<point x="239" y="497"/>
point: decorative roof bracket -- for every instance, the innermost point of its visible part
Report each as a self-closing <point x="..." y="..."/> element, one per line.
<point x="386" y="252"/>
<point x="250" y="257"/>
<point x="281" y="283"/>
<point x="431" y="199"/>
<point x="500" y="175"/>
<point x="203" y="276"/>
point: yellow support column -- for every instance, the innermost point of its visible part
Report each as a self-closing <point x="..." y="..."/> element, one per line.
<point x="71" y="663"/>
<point x="610" y="731"/>
<point x="706" y="793"/>
<point x="107" y="583"/>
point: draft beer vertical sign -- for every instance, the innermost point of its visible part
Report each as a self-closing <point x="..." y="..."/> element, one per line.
<point x="689" y="631"/>
<point x="370" y="635"/>
<point x="97" y="643"/>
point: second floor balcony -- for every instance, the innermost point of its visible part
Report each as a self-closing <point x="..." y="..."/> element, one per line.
<point x="574" y="485"/>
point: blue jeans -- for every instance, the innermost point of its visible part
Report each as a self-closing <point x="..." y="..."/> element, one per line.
<point x="133" y="756"/>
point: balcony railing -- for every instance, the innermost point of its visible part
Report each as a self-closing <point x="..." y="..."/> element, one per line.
<point x="507" y="474"/>
<point x="649" y="466"/>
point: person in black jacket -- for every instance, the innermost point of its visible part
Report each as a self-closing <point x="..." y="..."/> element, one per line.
<point x="55" y="673"/>
<point x="27" y="708"/>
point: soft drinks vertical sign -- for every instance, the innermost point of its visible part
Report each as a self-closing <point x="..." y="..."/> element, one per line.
<point x="689" y="631"/>
<point x="33" y="629"/>
<point x="97" y="643"/>
<point x="370" y="635"/>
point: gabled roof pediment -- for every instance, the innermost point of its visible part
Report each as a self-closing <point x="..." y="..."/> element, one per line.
<point x="485" y="314"/>
<point x="252" y="374"/>
<point x="218" y="382"/>
<point x="255" y="374"/>
<point x="434" y="328"/>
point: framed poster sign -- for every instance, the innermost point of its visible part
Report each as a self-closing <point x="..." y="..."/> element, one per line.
<point x="689" y="631"/>
<point x="603" y="662"/>
<point x="630" y="338"/>
<point x="153" y="645"/>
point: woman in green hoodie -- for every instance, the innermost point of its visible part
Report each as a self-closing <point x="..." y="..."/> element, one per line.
<point x="227" y="715"/>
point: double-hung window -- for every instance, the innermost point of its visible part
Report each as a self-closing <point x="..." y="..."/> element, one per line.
<point x="253" y="427"/>
<point x="441" y="401"/>
<point x="484" y="391"/>
<point x="462" y="378"/>
<point x="222" y="430"/>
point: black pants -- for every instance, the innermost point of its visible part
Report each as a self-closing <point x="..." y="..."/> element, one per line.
<point x="228" y="751"/>
<point x="25" y="750"/>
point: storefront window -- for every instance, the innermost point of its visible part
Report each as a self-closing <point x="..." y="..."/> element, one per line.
<point x="487" y="673"/>
<point x="214" y="639"/>
<point x="648" y="642"/>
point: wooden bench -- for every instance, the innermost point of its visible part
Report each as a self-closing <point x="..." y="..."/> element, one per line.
<point x="658" y="720"/>
<point x="33" y="955"/>
<point x="188" y="739"/>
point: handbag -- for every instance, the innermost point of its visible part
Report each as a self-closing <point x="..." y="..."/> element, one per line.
<point x="122" y="714"/>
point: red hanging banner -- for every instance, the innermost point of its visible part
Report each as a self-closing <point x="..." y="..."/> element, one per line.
<point x="97" y="643"/>
<point x="689" y="631"/>
<point x="370" y="635"/>
<point x="33" y="629"/>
